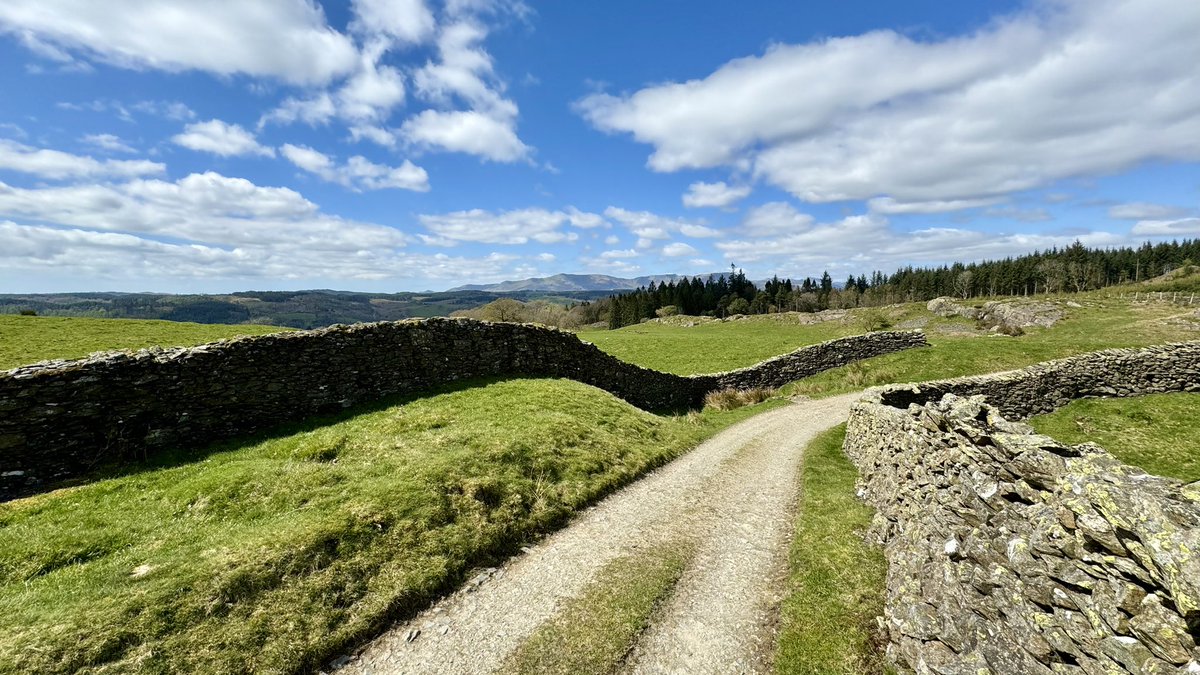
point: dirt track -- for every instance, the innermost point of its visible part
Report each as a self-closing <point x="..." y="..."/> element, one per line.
<point x="733" y="496"/>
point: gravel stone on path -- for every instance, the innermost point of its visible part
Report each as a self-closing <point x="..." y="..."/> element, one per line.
<point x="733" y="495"/>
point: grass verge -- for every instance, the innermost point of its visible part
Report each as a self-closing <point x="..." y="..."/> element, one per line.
<point x="595" y="632"/>
<point x="836" y="583"/>
<point x="273" y="556"/>
<point x="29" y="339"/>
<point x="1156" y="433"/>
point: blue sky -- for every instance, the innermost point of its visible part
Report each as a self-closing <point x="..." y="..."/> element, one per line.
<point x="386" y="145"/>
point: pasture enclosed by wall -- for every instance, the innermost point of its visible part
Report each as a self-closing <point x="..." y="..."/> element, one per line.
<point x="62" y="418"/>
<point x="1009" y="552"/>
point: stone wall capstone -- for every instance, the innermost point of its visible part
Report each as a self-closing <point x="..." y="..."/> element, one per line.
<point x="1009" y="552"/>
<point x="60" y="419"/>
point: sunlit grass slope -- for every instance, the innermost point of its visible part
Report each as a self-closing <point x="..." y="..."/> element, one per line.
<point x="28" y="339"/>
<point x="1158" y="433"/>
<point x="273" y="556"/>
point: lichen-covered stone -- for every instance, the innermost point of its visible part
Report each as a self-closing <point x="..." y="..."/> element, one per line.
<point x="1038" y="557"/>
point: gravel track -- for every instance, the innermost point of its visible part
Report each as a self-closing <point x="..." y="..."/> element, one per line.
<point x="733" y="495"/>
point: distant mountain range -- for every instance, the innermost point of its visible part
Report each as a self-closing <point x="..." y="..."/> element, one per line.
<point x="561" y="283"/>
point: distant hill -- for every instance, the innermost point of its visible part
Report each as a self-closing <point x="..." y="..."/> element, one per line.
<point x="560" y="283"/>
<point x="297" y="309"/>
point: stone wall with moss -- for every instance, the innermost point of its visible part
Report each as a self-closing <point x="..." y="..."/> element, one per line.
<point x="61" y="419"/>
<point x="1009" y="552"/>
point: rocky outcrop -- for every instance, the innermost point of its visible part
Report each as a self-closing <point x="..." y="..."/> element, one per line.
<point x="60" y="419"/>
<point x="1010" y="314"/>
<point x="1009" y="552"/>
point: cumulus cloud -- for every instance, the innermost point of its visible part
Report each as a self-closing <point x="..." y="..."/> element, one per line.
<point x="678" y="249"/>
<point x="774" y="218"/>
<point x="718" y="194"/>
<point x="504" y="227"/>
<point x="284" y="39"/>
<point x="865" y="242"/>
<point x="57" y="165"/>
<point x="109" y="142"/>
<point x="358" y="173"/>
<point x="204" y="208"/>
<point x="889" y="206"/>
<point x="465" y="131"/>
<point x="647" y="225"/>
<point x="1167" y="228"/>
<point x="404" y="20"/>
<point x="132" y="260"/>
<point x="464" y="73"/>
<point x="1145" y="211"/>
<point x="221" y="138"/>
<point x="1066" y="88"/>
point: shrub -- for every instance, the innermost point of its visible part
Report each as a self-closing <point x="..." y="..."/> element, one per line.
<point x="728" y="399"/>
<point x="739" y="306"/>
<point x="873" y="320"/>
<point x="669" y="310"/>
<point x="29" y="312"/>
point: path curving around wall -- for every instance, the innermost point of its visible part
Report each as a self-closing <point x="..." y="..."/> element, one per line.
<point x="1009" y="552"/>
<point x="60" y="419"/>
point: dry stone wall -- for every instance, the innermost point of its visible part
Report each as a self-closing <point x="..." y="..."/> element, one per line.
<point x="1009" y="552"/>
<point x="61" y="419"/>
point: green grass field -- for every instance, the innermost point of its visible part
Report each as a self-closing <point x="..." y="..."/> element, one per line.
<point x="1098" y="324"/>
<point x="278" y="553"/>
<point x="1156" y="433"/>
<point x="28" y="339"/>
<point x="272" y="556"/>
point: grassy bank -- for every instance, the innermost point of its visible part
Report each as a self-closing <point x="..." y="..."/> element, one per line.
<point x="1098" y="324"/>
<point x="1156" y="433"/>
<point x="275" y="555"/>
<point x="28" y="339"/>
<point x="835" y="588"/>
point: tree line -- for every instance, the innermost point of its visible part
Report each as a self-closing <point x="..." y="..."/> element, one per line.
<point x="1072" y="269"/>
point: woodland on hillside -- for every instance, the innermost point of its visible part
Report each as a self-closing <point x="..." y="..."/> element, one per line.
<point x="1073" y="269"/>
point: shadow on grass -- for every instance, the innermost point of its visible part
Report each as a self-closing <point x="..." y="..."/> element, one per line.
<point x="180" y="456"/>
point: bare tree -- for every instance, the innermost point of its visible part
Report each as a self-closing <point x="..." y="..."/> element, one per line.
<point x="962" y="284"/>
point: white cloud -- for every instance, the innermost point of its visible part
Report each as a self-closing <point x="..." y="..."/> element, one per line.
<point x="131" y="260"/>
<point x="1016" y="213"/>
<point x="889" y="206"/>
<point x="221" y="138"/>
<point x="1167" y="228"/>
<point x="1145" y="211"/>
<point x="57" y="165"/>
<point x="866" y="242"/>
<point x="678" y="249"/>
<point x="775" y="218"/>
<point x="647" y="225"/>
<point x="1066" y="88"/>
<point x="585" y="221"/>
<point x="284" y="39"/>
<point x="405" y="20"/>
<point x="545" y="257"/>
<point x="612" y="240"/>
<point x="208" y="209"/>
<point x="464" y="72"/>
<point x="107" y="142"/>
<point x="469" y="132"/>
<point x="505" y="227"/>
<point x="619" y="254"/>
<point x="358" y="173"/>
<point x="318" y="109"/>
<point x="718" y="194"/>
